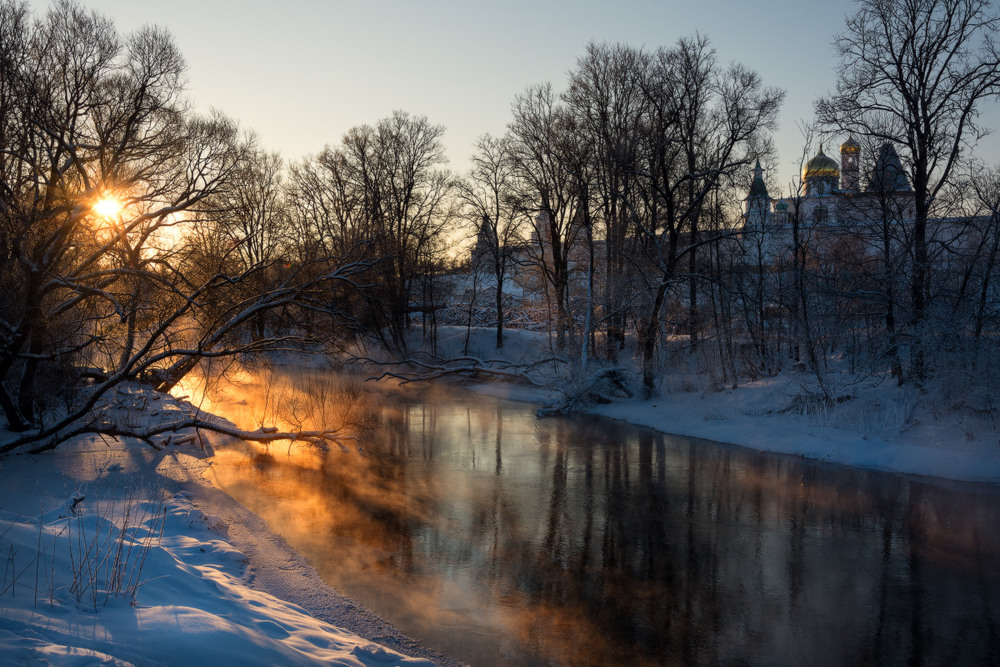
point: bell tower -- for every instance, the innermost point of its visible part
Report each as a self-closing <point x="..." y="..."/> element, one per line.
<point x="850" y="153"/>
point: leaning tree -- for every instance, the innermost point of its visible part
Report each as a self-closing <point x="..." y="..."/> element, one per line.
<point x="105" y="180"/>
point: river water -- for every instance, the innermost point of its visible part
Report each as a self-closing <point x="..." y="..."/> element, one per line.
<point x="499" y="538"/>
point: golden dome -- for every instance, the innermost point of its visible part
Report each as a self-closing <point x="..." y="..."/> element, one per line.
<point x="821" y="166"/>
<point x="850" y="146"/>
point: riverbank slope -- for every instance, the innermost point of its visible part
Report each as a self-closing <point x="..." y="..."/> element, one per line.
<point x="119" y="554"/>
<point x="949" y="429"/>
<point x="883" y="428"/>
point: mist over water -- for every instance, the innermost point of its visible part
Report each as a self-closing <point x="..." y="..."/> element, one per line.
<point x="499" y="538"/>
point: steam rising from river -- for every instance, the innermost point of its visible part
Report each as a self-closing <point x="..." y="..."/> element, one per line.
<point x="500" y="538"/>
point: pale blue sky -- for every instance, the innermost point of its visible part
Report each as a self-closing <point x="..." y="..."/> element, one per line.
<point x="302" y="72"/>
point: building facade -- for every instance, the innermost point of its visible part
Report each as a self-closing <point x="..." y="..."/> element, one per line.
<point x="834" y="195"/>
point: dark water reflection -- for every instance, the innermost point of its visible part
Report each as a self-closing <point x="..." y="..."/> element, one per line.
<point x="501" y="539"/>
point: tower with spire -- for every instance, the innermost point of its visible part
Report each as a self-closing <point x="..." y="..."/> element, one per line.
<point x="887" y="175"/>
<point x="482" y="252"/>
<point x="757" y="207"/>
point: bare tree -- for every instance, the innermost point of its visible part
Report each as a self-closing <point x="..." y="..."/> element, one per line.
<point x="915" y="73"/>
<point x="706" y="123"/>
<point x="538" y="131"/>
<point x="325" y="207"/>
<point x="250" y="222"/>
<point x="605" y="94"/>
<point x="972" y="248"/>
<point x="493" y="204"/>
<point x="106" y="177"/>
<point x="385" y="184"/>
<point x="89" y="116"/>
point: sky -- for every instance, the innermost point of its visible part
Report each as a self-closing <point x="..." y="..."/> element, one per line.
<point x="300" y="73"/>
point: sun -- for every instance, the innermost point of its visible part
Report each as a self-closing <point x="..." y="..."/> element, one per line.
<point x="107" y="207"/>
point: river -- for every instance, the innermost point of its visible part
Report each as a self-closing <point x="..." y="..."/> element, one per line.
<point x="502" y="539"/>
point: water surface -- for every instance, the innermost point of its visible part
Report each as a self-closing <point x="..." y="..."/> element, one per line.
<point x="499" y="538"/>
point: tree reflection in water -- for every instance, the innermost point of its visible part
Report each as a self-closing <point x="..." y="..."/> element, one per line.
<point x="502" y="539"/>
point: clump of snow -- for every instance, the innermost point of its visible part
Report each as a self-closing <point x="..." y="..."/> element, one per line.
<point x="213" y="523"/>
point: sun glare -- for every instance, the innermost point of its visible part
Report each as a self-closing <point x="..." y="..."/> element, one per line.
<point x="107" y="207"/>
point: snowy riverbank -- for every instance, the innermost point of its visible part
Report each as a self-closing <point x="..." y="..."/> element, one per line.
<point x="119" y="554"/>
<point x="881" y="427"/>
<point x="934" y="447"/>
<point x="949" y="430"/>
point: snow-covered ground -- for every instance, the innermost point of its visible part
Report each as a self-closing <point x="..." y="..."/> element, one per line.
<point x="118" y="554"/>
<point x="114" y="553"/>
<point x="883" y="428"/>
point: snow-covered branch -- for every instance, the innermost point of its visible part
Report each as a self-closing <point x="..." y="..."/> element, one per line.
<point x="182" y="431"/>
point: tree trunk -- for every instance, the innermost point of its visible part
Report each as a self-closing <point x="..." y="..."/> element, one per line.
<point x="499" y="305"/>
<point x="648" y="340"/>
<point x="918" y="282"/>
<point x="896" y="363"/>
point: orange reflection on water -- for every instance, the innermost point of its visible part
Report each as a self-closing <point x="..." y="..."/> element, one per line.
<point x="508" y="540"/>
<point x="357" y="521"/>
<point x="270" y="398"/>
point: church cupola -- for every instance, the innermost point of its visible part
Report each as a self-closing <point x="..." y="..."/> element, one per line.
<point x="850" y="154"/>
<point x="821" y="175"/>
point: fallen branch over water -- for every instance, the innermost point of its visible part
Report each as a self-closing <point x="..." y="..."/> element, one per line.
<point x="176" y="435"/>
<point x="603" y="386"/>
<point x="413" y="369"/>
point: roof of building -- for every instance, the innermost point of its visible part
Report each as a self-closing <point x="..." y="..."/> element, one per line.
<point x="758" y="187"/>
<point x="821" y="166"/>
<point x="888" y="174"/>
<point x="850" y="146"/>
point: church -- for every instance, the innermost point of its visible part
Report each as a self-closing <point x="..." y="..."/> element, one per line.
<point x="833" y="195"/>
